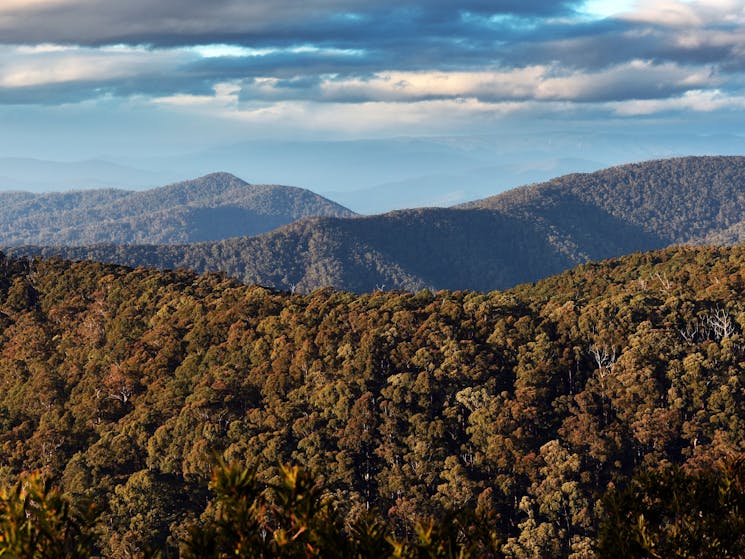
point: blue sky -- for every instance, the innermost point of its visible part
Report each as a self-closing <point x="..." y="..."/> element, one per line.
<point x="109" y="78"/>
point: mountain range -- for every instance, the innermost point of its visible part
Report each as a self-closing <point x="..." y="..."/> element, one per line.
<point x="518" y="236"/>
<point x="528" y="408"/>
<point x="212" y="207"/>
<point x="367" y="175"/>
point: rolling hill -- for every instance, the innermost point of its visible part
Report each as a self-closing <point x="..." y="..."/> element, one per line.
<point x="410" y="249"/>
<point x="212" y="207"/>
<point x="521" y="235"/>
<point x="676" y="200"/>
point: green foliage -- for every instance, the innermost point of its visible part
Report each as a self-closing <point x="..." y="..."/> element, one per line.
<point x="289" y="519"/>
<point x="250" y="520"/>
<point x="522" y="407"/>
<point x="672" y="514"/>
<point x="266" y="520"/>
<point x="37" y="522"/>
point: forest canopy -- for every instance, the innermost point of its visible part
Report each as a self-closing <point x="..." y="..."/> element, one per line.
<point x="125" y="386"/>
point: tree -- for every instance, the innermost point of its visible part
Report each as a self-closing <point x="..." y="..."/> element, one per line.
<point x="38" y="522"/>
<point x="674" y="514"/>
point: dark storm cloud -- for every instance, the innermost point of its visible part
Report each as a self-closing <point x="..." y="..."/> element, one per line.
<point x="76" y="92"/>
<point x="604" y="43"/>
<point x="341" y="51"/>
<point x="282" y="65"/>
<point x="186" y="22"/>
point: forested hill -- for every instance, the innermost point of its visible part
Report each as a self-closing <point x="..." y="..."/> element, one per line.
<point x="675" y="200"/>
<point x="523" y="235"/>
<point x="410" y="249"/>
<point x="123" y="384"/>
<point x="212" y="207"/>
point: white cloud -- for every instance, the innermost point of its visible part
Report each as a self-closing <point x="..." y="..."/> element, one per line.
<point x="639" y="87"/>
<point x="434" y="116"/>
<point x="679" y="13"/>
<point x="372" y="117"/>
<point x="435" y="101"/>
<point x="220" y="50"/>
<point x="22" y="5"/>
<point x="225" y="96"/>
<point x="403" y="86"/>
<point x="635" y="79"/>
<point x="50" y="64"/>
<point x="698" y="101"/>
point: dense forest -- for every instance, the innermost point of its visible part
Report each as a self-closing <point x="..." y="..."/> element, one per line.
<point x="412" y="250"/>
<point x="126" y="386"/>
<point x="523" y="235"/>
<point x="676" y="200"/>
<point x="212" y="207"/>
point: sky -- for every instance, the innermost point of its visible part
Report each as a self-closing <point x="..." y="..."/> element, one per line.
<point x="115" y="79"/>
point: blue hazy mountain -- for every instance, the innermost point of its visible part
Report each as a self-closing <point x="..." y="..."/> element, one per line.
<point x="375" y="175"/>
<point x="521" y="235"/>
<point x="213" y="207"/>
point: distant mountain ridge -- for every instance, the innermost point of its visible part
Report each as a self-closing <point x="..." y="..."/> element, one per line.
<point x="38" y="175"/>
<point x="518" y="236"/>
<point x="677" y="200"/>
<point x="212" y="207"/>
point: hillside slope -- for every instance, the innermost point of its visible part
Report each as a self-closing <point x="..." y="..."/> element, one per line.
<point x="519" y="236"/>
<point x="677" y="200"/>
<point x="437" y="248"/>
<point x="123" y="385"/>
<point x="212" y="207"/>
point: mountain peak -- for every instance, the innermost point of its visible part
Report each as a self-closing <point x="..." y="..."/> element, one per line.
<point x="207" y="185"/>
<point x="519" y="236"/>
<point x="212" y="207"/>
<point x="219" y="175"/>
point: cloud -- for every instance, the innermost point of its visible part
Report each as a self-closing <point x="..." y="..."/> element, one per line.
<point x="47" y="64"/>
<point x="634" y="80"/>
<point x="62" y="74"/>
<point x="682" y="14"/>
<point x="696" y="100"/>
<point x="435" y="116"/>
<point x="637" y="79"/>
<point x="258" y="59"/>
<point x="170" y="23"/>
